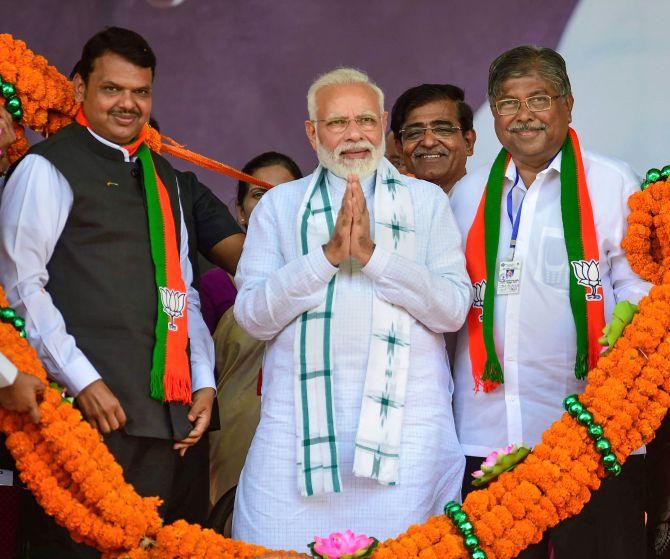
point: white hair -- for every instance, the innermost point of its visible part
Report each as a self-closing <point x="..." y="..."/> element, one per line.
<point x="340" y="76"/>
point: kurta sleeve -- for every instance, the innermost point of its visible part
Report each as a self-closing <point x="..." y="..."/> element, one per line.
<point x="437" y="293"/>
<point x="8" y="372"/>
<point x="273" y="292"/>
<point x="36" y="203"/>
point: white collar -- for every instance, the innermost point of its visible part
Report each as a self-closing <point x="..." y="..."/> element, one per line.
<point x="554" y="165"/>
<point x="126" y="155"/>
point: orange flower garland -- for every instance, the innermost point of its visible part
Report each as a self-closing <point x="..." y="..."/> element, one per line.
<point x="75" y="478"/>
<point x="46" y="95"/>
<point x="628" y="394"/>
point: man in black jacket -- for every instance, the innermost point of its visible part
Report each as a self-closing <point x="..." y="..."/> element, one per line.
<point x="78" y="261"/>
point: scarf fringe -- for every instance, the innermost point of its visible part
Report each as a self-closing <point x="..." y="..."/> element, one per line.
<point x="493" y="373"/>
<point x="581" y="365"/>
<point x="177" y="388"/>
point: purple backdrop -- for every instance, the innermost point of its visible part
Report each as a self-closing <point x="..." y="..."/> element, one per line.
<point x="232" y="76"/>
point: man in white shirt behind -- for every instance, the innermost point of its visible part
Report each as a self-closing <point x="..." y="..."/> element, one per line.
<point x="530" y="343"/>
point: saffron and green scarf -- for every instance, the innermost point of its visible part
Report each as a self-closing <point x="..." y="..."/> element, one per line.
<point x="581" y="243"/>
<point x="170" y="379"/>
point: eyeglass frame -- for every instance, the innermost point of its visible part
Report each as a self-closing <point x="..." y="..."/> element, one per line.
<point x="377" y="118"/>
<point x="525" y="102"/>
<point x="425" y="129"/>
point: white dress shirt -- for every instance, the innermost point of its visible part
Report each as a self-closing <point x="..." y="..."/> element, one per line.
<point x="534" y="330"/>
<point x="277" y="283"/>
<point x="36" y="203"/>
<point x="8" y="372"/>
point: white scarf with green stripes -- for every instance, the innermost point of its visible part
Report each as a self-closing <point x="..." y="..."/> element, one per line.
<point x="377" y="451"/>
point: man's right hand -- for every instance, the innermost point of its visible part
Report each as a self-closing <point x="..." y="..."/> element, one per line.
<point x="338" y="248"/>
<point x="23" y="395"/>
<point x="101" y="408"/>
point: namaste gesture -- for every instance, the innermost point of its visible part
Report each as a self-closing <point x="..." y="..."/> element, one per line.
<point x="351" y="236"/>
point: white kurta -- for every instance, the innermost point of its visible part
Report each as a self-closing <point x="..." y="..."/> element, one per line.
<point x="276" y="286"/>
<point x="534" y="331"/>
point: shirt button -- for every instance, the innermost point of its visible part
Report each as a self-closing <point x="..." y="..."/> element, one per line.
<point x="135" y="173"/>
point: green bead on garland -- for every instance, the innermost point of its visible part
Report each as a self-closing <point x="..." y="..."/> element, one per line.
<point x="8" y="316"/>
<point x="653" y="175"/>
<point x="585" y="418"/>
<point x="8" y="90"/>
<point x="595" y="431"/>
<point x="460" y="519"/>
<point x="12" y="101"/>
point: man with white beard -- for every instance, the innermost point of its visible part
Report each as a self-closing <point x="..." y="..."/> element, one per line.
<point x="351" y="275"/>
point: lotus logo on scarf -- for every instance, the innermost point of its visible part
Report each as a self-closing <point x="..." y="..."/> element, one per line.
<point x="478" y="301"/>
<point x="587" y="273"/>
<point x="173" y="304"/>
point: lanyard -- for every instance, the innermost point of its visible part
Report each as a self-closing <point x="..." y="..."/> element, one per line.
<point x="514" y="220"/>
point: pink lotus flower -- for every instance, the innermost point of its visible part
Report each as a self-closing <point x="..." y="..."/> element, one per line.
<point x="498" y="462"/>
<point x="342" y="546"/>
<point x="491" y="459"/>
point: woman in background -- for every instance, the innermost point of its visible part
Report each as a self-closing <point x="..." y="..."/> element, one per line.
<point x="238" y="362"/>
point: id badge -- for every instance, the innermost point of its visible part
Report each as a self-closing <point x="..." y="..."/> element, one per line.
<point x="509" y="277"/>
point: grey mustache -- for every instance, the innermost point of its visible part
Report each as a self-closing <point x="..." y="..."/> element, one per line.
<point x="526" y="126"/>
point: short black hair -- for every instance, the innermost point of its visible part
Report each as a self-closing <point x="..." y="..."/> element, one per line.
<point x="267" y="159"/>
<point x="124" y="42"/>
<point x="423" y="94"/>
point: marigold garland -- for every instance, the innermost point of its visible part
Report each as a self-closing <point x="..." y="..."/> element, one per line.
<point x="75" y="478"/>
<point x="628" y="394"/>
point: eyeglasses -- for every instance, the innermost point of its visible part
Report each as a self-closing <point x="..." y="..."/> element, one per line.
<point x="416" y="134"/>
<point x="536" y="104"/>
<point x="340" y="124"/>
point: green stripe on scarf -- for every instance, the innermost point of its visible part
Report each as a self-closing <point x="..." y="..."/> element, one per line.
<point x="322" y="187"/>
<point x="572" y="227"/>
<point x="572" y="231"/>
<point x="157" y="240"/>
<point x="492" y="368"/>
<point x="326" y="337"/>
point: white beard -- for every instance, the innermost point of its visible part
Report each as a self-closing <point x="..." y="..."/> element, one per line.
<point x="342" y="168"/>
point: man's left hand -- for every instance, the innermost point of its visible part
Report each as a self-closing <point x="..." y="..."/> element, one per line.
<point x="200" y="415"/>
<point x="362" y="246"/>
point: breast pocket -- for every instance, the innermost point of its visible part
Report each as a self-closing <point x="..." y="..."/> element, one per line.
<point x="552" y="269"/>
